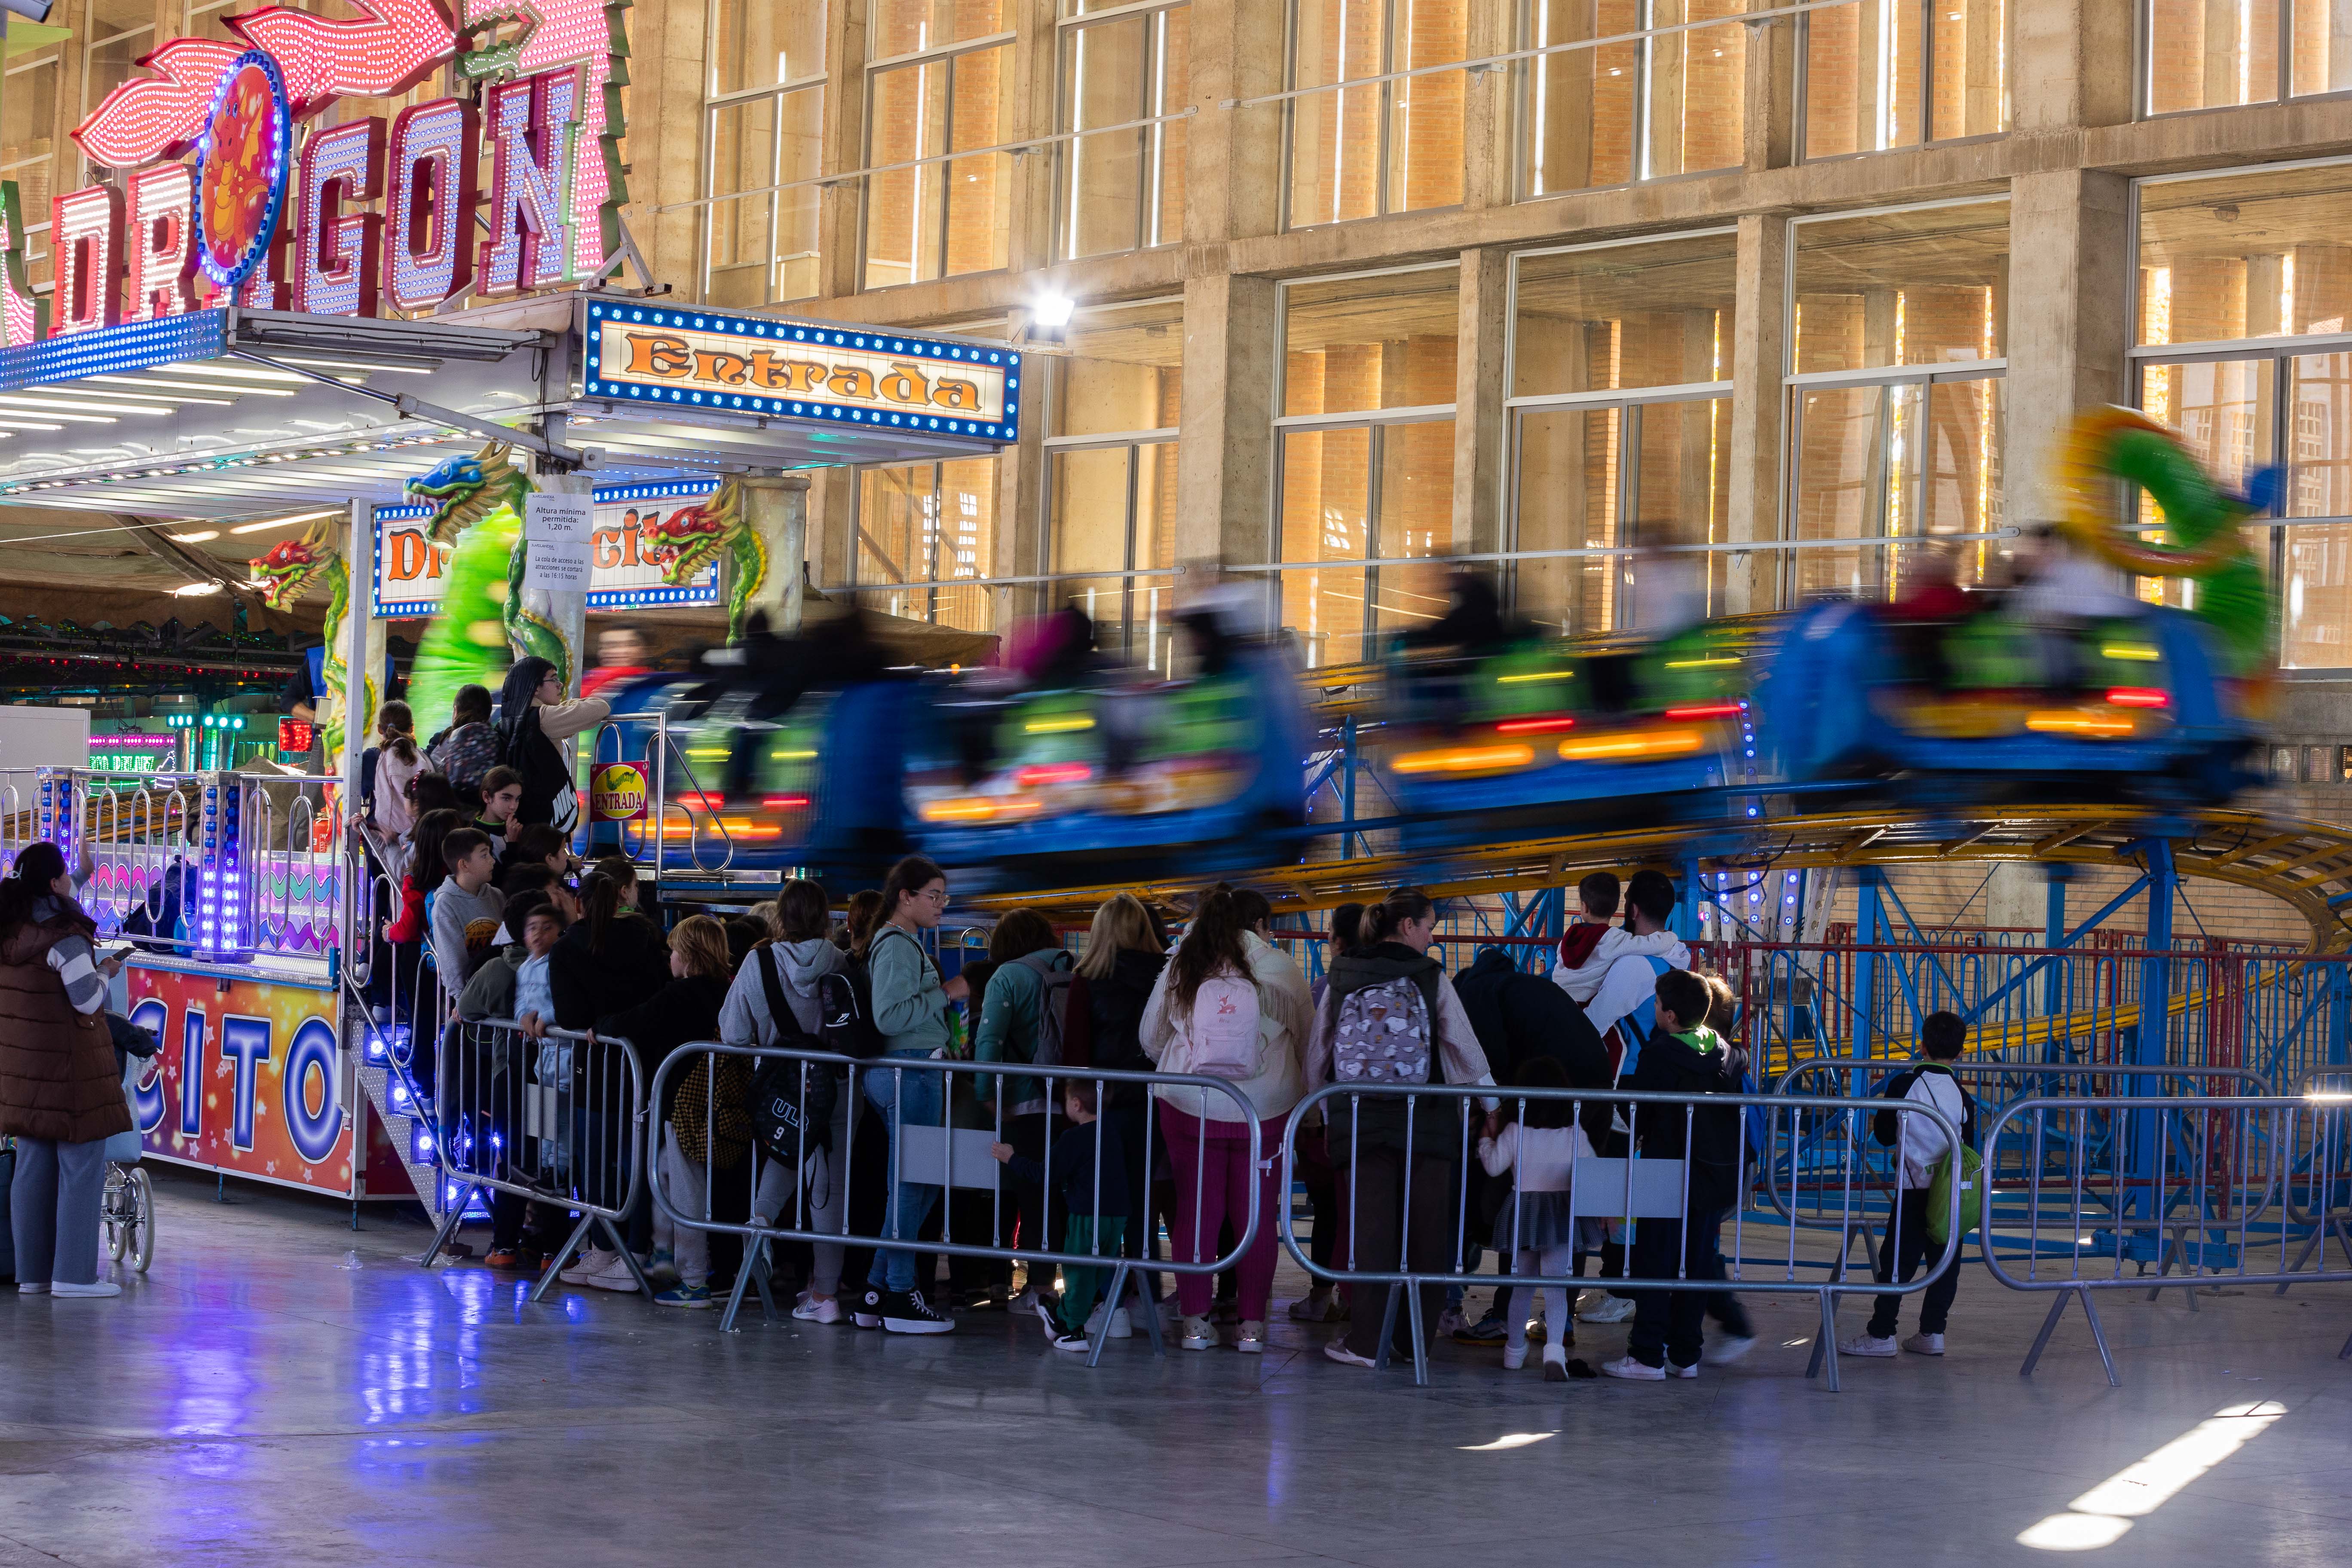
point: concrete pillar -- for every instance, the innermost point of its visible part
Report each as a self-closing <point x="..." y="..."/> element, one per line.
<point x="1037" y="69"/>
<point x="664" y="146"/>
<point x="1751" y="582"/>
<point x="1233" y="176"/>
<point x="1487" y="116"/>
<point x="1481" y="503"/>
<point x="1225" y="451"/>
<point x="838" y="207"/>
<point x="2070" y="65"/>
<point x="2069" y="246"/>
<point x="776" y="507"/>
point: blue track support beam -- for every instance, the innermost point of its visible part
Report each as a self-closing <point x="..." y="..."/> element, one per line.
<point x="2054" y="980"/>
<point x="1349" y="758"/>
<point x="2046" y="963"/>
<point x="1869" y="922"/>
<point x="1904" y="974"/>
<point x="1685" y="921"/>
<point x="2150" y="1043"/>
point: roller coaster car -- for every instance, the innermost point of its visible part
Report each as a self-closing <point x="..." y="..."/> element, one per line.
<point x="1593" y="733"/>
<point x="761" y="778"/>
<point x="1176" y="778"/>
<point x="1986" y="707"/>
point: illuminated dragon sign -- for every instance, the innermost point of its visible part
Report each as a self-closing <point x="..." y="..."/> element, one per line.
<point x="375" y="215"/>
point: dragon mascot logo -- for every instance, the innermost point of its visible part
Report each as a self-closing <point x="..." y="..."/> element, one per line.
<point x="690" y="538"/>
<point x="282" y="577"/>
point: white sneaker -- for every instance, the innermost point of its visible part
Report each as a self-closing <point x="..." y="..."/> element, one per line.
<point x="1338" y="1351"/>
<point x="614" y="1276"/>
<point x="1685" y="1373"/>
<point x="1122" y="1327"/>
<point x="1251" y="1338"/>
<point x="1726" y="1349"/>
<point x="1514" y="1357"/>
<point x="1925" y="1344"/>
<point x="1863" y="1344"/>
<point x="1608" y="1308"/>
<point x="818" y="1309"/>
<point x="33" y="1288"/>
<point x="103" y="1287"/>
<point x="1555" y="1364"/>
<point x="592" y="1261"/>
<point x="1200" y="1334"/>
<point x="1627" y="1367"/>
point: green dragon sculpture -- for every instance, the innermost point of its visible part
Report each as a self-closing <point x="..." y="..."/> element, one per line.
<point x="283" y="576"/>
<point x="487" y="491"/>
<point x="690" y="538"/>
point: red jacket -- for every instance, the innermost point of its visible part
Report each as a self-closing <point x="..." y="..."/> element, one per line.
<point x="1577" y="944"/>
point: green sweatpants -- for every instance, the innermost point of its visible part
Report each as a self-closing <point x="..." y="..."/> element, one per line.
<point x="1080" y="1285"/>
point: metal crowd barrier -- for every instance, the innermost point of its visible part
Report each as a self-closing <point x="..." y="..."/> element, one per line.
<point x="2189" y="1188"/>
<point x="1868" y="1078"/>
<point x="556" y="1118"/>
<point x="2322" y="1199"/>
<point x="951" y="1156"/>
<point x="1628" y="1192"/>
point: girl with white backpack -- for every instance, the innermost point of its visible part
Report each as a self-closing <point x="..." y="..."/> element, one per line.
<point x="1231" y="1005"/>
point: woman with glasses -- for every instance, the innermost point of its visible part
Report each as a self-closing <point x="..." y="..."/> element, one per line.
<point x="910" y="1010"/>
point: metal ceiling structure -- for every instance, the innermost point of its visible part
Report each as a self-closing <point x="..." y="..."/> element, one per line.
<point x="232" y="413"/>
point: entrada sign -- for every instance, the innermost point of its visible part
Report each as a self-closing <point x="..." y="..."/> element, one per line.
<point x="135" y="249"/>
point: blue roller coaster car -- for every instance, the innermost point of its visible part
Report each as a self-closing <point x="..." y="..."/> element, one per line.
<point x="1541" y="735"/>
<point x="1986" y="708"/>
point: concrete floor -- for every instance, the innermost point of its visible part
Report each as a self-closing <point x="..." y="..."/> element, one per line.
<point x="280" y="1390"/>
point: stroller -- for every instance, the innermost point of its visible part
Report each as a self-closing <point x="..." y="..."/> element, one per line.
<point x="128" y="1209"/>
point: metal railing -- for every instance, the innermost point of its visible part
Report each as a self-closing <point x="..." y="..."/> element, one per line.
<point x="2185" y="1181"/>
<point x="2320" y="1195"/>
<point x="1620" y="1189"/>
<point x="555" y="1116"/>
<point x="946" y="1156"/>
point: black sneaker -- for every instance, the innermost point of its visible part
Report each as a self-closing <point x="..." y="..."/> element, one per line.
<point x="1487" y="1330"/>
<point x="868" y="1312"/>
<point x="910" y="1314"/>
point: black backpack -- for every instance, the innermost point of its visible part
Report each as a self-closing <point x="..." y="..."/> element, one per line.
<point x="791" y="1101"/>
<point x="844" y="1000"/>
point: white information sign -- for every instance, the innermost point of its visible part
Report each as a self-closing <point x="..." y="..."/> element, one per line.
<point x="558" y="531"/>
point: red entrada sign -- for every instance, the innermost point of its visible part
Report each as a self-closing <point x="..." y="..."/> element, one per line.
<point x="129" y="249"/>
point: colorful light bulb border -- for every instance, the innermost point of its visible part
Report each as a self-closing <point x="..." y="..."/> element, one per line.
<point x="241" y="161"/>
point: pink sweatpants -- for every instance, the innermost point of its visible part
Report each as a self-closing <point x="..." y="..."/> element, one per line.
<point x="1212" y="1186"/>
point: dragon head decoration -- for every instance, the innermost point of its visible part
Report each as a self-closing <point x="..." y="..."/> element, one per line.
<point x="2201" y="542"/>
<point x="286" y="573"/>
<point x="691" y="538"/>
<point x="464" y="491"/>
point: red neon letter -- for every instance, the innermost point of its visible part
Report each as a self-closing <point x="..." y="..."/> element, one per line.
<point x="162" y="242"/>
<point x="337" y="255"/>
<point x="428" y="250"/>
<point x="86" y="228"/>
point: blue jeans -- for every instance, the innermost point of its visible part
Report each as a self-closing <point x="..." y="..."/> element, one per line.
<point x="904" y="1098"/>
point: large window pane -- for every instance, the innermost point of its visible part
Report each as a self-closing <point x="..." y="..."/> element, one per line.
<point x="928" y="524"/>
<point x="1123" y="370"/>
<point x="1586" y="109"/>
<point x="1364" y="493"/>
<point x="28" y="118"/>
<point x="1870" y="86"/>
<point x="2323" y="47"/>
<point x="1393" y="146"/>
<point x="1354" y="344"/>
<point x="1900" y="461"/>
<point x="1624" y="316"/>
<point x="762" y="247"/>
<point x="1125" y="189"/>
<point x="758" y="43"/>
<point x="1923" y="287"/>
<point x="938" y="219"/>
<point x="2246" y="255"/>
<point x="2206" y="54"/>
<point x="1569" y="499"/>
<point x="910" y="26"/>
<point x="1112" y="511"/>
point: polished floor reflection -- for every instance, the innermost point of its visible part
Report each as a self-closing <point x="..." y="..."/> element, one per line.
<point x="280" y="1390"/>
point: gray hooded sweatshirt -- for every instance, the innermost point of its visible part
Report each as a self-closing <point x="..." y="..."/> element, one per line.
<point x="745" y="1019"/>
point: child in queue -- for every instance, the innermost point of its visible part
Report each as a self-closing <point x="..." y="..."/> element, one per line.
<point x="1089" y="1171"/>
<point x="1536" y="1227"/>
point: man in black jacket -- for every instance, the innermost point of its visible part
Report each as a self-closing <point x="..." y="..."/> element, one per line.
<point x="1517" y="1015"/>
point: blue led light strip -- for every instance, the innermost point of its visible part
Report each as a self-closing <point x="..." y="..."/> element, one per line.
<point x="135" y="345"/>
